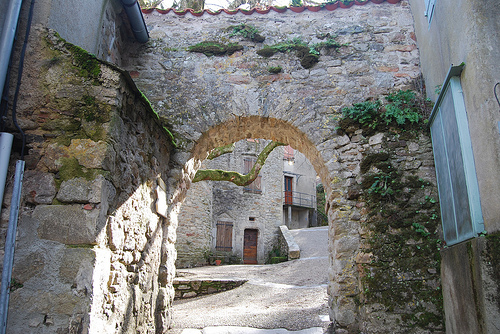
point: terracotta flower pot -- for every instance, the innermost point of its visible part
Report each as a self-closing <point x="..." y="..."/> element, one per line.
<point x="346" y="5"/>
<point x="279" y="9"/>
<point x="332" y="6"/>
<point x="393" y="1"/>
<point x="297" y="9"/>
<point x="163" y="11"/>
<point x="218" y="262"/>
<point x="314" y="8"/>
<point x="377" y="1"/>
<point x="147" y="10"/>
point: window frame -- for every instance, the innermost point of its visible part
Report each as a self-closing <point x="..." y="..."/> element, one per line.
<point x="452" y="85"/>
<point x="429" y="9"/>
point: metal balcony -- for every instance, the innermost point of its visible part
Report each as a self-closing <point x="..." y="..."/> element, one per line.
<point x="295" y="198"/>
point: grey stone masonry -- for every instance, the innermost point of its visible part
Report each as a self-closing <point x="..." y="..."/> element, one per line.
<point x="290" y="246"/>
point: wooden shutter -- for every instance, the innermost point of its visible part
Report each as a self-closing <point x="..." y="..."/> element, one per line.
<point x="256" y="185"/>
<point x="224" y="238"/>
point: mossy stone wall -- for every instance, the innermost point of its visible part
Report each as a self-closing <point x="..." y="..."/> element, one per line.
<point x="89" y="248"/>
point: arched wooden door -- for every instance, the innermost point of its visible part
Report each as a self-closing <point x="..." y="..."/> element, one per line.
<point x="250" y="246"/>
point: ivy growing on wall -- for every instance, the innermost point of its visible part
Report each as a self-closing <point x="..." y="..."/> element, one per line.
<point x="403" y="213"/>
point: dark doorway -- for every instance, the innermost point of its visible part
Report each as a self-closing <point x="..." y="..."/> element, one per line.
<point x="250" y="246"/>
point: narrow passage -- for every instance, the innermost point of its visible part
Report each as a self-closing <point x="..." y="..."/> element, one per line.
<point x="277" y="299"/>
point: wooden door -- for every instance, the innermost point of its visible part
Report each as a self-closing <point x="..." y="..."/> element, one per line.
<point x="288" y="190"/>
<point x="250" y="246"/>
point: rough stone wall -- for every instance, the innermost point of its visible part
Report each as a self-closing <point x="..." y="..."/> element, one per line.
<point x="194" y="233"/>
<point x="214" y="101"/>
<point x="89" y="242"/>
<point x="386" y="242"/>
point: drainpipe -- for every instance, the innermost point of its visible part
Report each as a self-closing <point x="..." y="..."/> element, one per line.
<point x="7" y="38"/>
<point x="136" y="19"/>
<point x="10" y="240"/>
<point x="5" y="148"/>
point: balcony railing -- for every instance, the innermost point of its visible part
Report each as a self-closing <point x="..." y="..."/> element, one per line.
<point x="296" y="198"/>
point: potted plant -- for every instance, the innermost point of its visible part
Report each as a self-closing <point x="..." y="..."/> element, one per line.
<point x="297" y="6"/>
<point x="346" y="3"/>
<point x="331" y="5"/>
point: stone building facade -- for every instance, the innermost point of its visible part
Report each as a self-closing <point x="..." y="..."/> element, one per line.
<point x="234" y="210"/>
<point x="299" y="193"/>
<point x="96" y="153"/>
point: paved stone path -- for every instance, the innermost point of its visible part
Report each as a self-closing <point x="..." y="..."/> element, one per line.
<point x="288" y="297"/>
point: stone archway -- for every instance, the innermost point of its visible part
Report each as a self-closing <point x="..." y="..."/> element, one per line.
<point x="336" y="189"/>
<point x="238" y="98"/>
<point x="213" y="101"/>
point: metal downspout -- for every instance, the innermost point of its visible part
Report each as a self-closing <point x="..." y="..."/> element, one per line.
<point x="7" y="38"/>
<point x="136" y="19"/>
<point x="8" y="258"/>
<point x="5" y="148"/>
<point x="6" y="45"/>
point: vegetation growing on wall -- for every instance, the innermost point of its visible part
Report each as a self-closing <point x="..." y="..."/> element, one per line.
<point x="402" y="110"/>
<point x="247" y="31"/>
<point x="212" y="48"/>
<point x="403" y="214"/>
<point x="308" y="54"/>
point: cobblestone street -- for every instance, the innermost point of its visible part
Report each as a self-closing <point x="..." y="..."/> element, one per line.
<point x="279" y="298"/>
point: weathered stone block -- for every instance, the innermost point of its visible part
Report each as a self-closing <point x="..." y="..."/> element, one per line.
<point x="77" y="267"/>
<point x="116" y="234"/>
<point x="39" y="187"/>
<point x="68" y="224"/>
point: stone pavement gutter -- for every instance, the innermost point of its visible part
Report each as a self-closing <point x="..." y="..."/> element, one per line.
<point x="189" y="288"/>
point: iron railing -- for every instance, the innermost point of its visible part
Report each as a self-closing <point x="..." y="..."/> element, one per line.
<point x="296" y="198"/>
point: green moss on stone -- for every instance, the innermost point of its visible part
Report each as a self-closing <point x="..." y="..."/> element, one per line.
<point x="404" y="221"/>
<point x="71" y="169"/>
<point x="212" y="48"/>
<point x="89" y="66"/>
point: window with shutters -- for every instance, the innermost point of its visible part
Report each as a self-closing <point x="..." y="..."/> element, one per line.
<point x="461" y="214"/>
<point x="429" y="9"/>
<point x="255" y="186"/>
<point x="224" y="237"/>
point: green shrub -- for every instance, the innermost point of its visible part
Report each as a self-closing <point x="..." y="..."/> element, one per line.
<point x="364" y="112"/>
